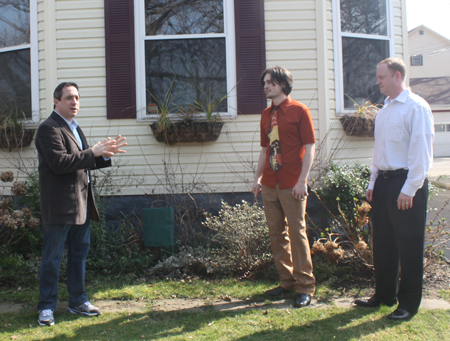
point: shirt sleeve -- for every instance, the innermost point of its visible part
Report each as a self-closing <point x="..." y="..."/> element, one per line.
<point x="420" y="152"/>
<point x="373" y="175"/>
<point x="306" y="129"/>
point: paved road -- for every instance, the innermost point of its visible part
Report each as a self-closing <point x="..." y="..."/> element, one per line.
<point x="441" y="167"/>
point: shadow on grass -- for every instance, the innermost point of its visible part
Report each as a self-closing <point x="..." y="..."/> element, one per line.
<point x="272" y="324"/>
<point x="348" y="325"/>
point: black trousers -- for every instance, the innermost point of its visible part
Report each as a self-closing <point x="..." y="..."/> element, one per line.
<point x="398" y="242"/>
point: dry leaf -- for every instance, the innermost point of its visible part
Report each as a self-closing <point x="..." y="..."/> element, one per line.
<point x="210" y="324"/>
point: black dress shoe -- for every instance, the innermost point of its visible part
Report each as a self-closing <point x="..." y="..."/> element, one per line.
<point x="373" y="302"/>
<point x="302" y="300"/>
<point x="400" y="315"/>
<point x="277" y="291"/>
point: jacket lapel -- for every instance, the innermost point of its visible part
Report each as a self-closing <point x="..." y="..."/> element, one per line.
<point x="58" y="119"/>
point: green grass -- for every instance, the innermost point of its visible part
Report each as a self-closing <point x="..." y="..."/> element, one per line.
<point x="126" y="288"/>
<point x="329" y="323"/>
<point x="445" y="294"/>
<point x="271" y="324"/>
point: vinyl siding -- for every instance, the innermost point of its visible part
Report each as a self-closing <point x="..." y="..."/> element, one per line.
<point x="72" y="48"/>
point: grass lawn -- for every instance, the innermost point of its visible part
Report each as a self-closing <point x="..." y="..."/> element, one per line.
<point x="260" y="324"/>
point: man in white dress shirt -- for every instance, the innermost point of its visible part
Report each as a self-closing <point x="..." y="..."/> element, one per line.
<point x="398" y="190"/>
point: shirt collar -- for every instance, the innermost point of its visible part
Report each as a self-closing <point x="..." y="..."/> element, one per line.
<point x="72" y="125"/>
<point x="400" y="98"/>
<point x="283" y="105"/>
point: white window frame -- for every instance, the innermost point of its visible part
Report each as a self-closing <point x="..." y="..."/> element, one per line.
<point x="34" y="64"/>
<point x="230" y="45"/>
<point x="338" y="53"/>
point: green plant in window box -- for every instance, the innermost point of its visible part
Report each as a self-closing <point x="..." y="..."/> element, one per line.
<point x="362" y="121"/>
<point x="163" y="107"/>
<point x="199" y="121"/>
<point x="13" y="133"/>
<point x="209" y="103"/>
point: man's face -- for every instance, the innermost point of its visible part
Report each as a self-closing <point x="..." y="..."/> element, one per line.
<point x="387" y="80"/>
<point x="272" y="89"/>
<point x="69" y="104"/>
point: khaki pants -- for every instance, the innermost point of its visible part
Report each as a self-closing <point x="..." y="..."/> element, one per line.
<point x="285" y="217"/>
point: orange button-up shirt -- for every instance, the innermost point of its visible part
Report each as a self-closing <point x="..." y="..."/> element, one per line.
<point x="295" y="129"/>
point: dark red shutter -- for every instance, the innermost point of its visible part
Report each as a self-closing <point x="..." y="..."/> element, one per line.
<point x="120" y="62"/>
<point x="250" y="55"/>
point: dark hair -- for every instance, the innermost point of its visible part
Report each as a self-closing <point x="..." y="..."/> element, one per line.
<point x="395" y="64"/>
<point x="279" y="75"/>
<point x="57" y="94"/>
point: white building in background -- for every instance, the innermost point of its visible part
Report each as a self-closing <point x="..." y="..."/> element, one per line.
<point x="429" y="75"/>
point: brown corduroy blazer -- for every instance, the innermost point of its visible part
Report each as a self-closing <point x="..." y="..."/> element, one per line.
<point x="64" y="169"/>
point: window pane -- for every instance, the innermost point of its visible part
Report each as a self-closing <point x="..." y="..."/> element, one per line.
<point x="360" y="57"/>
<point x="183" y="16"/>
<point x="14" y="23"/>
<point x="438" y="128"/>
<point x="364" y="16"/>
<point x="194" y="63"/>
<point x="15" y="80"/>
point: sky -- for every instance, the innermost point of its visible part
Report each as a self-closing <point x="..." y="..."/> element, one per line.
<point x="434" y="14"/>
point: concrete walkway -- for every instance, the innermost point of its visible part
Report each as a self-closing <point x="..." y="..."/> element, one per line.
<point x="441" y="168"/>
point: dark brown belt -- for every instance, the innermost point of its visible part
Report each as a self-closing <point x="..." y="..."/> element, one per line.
<point x="392" y="173"/>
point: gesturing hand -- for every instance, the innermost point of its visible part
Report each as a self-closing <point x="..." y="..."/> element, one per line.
<point x="119" y="144"/>
<point x="102" y="148"/>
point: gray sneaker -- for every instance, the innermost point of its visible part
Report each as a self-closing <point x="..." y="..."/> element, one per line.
<point x="85" y="309"/>
<point x="46" y="317"/>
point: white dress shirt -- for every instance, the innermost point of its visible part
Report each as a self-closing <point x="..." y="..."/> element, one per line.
<point x="404" y="134"/>
<point x="73" y="126"/>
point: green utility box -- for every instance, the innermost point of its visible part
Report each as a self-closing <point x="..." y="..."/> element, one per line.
<point x="158" y="226"/>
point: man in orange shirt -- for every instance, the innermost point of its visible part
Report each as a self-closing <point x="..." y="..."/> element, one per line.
<point x="287" y="141"/>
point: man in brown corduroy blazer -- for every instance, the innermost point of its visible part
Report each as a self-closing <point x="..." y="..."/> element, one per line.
<point x="67" y="200"/>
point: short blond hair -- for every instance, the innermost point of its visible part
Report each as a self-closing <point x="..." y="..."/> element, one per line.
<point x="395" y="64"/>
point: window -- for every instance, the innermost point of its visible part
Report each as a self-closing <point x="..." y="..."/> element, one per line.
<point x="362" y="36"/>
<point x="216" y="45"/>
<point x="18" y="59"/>
<point x="421" y="32"/>
<point x="417" y="60"/>
<point x="440" y="128"/>
<point x="187" y="43"/>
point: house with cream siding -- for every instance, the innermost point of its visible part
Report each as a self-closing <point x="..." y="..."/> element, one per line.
<point x="429" y="75"/>
<point x="119" y="51"/>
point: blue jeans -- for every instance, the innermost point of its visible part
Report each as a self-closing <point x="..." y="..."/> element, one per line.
<point x="78" y="240"/>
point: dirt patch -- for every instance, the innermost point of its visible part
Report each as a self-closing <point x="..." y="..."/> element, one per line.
<point x="436" y="277"/>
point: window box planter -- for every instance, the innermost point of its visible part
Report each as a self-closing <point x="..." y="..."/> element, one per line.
<point x="188" y="131"/>
<point x="358" y="125"/>
<point x="13" y="138"/>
